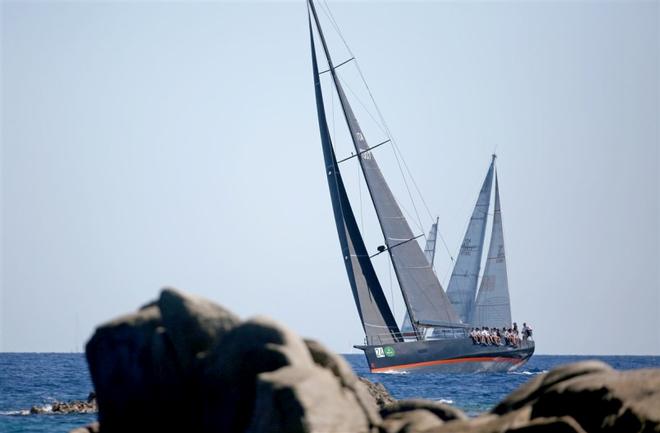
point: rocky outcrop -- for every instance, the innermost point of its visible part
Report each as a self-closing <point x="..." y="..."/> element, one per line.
<point x="218" y="373"/>
<point x="417" y="415"/>
<point x="583" y="397"/>
<point x="182" y="363"/>
<point x="92" y="428"/>
<point x="65" y="407"/>
<point x="594" y="396"/>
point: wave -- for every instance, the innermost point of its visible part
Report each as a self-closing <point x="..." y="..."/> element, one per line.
<point x="445" y="401"/>
<point x="403" y="372"/>
<point x="36" y="410"/>
<point x="15" y="412"/>
<point x="528" y="373"/>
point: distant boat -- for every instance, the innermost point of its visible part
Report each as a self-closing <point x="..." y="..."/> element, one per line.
<point x="437" y="337"/>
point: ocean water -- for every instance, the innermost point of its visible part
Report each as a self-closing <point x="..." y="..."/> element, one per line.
<point x="29" y="379"/>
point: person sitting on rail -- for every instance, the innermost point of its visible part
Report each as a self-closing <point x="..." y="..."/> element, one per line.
<point x="515" y="339"/>
<point x="474" y="336"/>
<point x="511" y="338"/>
<point x="498" y="337"/>
<point x="485" y="337"/>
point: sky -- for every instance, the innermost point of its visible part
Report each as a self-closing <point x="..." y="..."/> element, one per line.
<point x="176" y="144"/>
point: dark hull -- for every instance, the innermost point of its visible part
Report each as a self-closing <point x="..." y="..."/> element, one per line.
<point x="459" y="355"/>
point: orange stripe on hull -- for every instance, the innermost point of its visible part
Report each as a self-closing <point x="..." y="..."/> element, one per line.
<point x="447" y="361"/>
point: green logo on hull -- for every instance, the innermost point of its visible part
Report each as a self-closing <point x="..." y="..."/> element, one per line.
<point x="389" y="351"/>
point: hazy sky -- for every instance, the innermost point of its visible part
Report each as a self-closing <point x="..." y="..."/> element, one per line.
<point x="155" y="144"/>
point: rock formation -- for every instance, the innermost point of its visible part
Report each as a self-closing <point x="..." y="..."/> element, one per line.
<point x="66" y="407"/>
<point x="182" y="363"/>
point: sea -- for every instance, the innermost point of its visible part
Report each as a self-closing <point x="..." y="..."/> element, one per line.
<point x="39" y="379"/>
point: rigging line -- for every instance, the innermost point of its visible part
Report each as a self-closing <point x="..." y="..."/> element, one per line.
<point x="364" y="81"/>
<point x="410" y="174"/>
<point x="409" y="216"/>
<point x="359" y="175"/>
<point x="444" y="243"/>
<point x="394" y="151"/>
<point x="408" y="188"/>
<point x="405" y="182"/>
<point x="334" y="24"/>
<point x="357" y="98"/>
<point x="382" y="119"/>
<point x="391" y="287"/>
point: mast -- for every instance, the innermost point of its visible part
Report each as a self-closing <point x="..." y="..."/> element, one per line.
<point x="425" y="300"/>
<point x="493" y="305"/>
<point x="462" y="287"/>
<point x="375" y="314"/>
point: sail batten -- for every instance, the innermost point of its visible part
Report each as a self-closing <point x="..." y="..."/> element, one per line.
<point x="492" y="307"/>
<point x="462" y="288"/>
<point x="375" y="314"/>
<point x="423" y="295"/>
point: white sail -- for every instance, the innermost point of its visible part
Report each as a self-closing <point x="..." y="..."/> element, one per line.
<point x="492" y="307"/>
<point x="429" y="249"/>
<point x="462" y="287"/>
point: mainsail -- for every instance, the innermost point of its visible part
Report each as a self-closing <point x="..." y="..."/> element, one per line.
<point x="462" y="286"/>
<point x="377" y="319"/>
<point x="493" y="308"/>
<point x="425" y="299"/>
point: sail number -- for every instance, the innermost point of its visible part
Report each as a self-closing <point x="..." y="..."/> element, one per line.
<point x="382" y="352"/>
<point x="360" y="138"/>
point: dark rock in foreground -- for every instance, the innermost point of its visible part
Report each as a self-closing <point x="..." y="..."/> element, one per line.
<point x="182" y="363"/>
<point x="378" y="392"/>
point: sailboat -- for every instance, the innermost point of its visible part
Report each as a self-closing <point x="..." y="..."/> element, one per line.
<point x="439" y="322"/>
